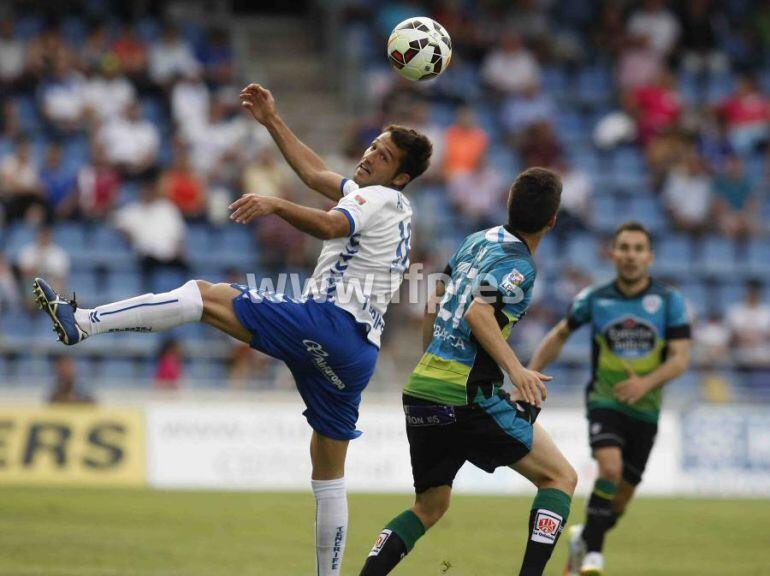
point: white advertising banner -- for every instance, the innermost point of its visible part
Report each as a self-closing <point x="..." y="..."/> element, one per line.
<point x="265" y="447"/>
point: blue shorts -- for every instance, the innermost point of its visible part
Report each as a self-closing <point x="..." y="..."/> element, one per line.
<point x="325" y="348"/>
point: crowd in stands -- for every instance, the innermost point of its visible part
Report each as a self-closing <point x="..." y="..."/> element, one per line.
<point x="118" y="130"/>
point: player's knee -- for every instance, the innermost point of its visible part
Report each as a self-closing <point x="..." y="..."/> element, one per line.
<point x="569" y="478"/>
<point x="611" y="470"/>
<point x="430" y="511"/>
<point x="204" y="287"/>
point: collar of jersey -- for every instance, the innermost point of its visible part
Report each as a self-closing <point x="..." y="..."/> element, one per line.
<point x="500" y="234"/>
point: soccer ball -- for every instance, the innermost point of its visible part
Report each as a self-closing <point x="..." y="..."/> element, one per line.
<point x="419" y="48"/>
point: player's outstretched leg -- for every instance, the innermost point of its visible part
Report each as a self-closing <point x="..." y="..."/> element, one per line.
<point x="546" y="468"/>
<point x="194" y="301"/>
<point x="401" y="534"/>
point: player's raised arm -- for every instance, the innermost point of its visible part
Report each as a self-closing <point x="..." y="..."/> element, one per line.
<point x="483" y="324"/>
<point x="323" y="225"/>
<point x="303" y="160"/>
<point x="549" y="349"/>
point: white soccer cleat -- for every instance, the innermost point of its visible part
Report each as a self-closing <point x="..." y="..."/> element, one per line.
<point x="577" y="549"/>
<point x="593" y="564"/>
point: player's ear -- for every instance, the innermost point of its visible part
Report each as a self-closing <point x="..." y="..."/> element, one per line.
<point x="552" y="222"/>
<point x="401" y="180"/>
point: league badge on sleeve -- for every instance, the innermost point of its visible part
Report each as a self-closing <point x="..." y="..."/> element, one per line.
<point x="512" y="282"/>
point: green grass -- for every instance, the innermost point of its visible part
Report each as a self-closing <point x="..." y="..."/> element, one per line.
<point x="69" y="532"/>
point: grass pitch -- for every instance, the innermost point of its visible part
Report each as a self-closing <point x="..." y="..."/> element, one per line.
<point x="104" y="532"/>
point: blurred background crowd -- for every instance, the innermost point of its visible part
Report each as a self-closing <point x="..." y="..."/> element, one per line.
<point x="122" y="143"/>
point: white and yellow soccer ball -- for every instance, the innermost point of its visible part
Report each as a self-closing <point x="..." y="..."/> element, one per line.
<point x="419" y="48"/>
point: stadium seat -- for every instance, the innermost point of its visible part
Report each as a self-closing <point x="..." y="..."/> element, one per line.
<point x="208" y="372"/>
<point x="718" y="257"/>
<point x="730" y="293"/>
<point x="605" y="218"/>
<point x="673" y="255"/>
<point x="85" y="284"/>
<point x="121" y="285"/>
<point x="645" y="209"/>
<point x="553" y="81"/>
<point x="16" y="238"/>
<point x="69" y="236"/>
<point x="198" y="238"/>
<point x="582" y="252"/>
<point x="759" y="258"/>
<point x="119" y="372"/>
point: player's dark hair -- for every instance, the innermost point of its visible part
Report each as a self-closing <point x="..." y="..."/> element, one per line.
<point x="533" y="200"/>
<point x="416" y="147"/>
<point x="632" y="226"/>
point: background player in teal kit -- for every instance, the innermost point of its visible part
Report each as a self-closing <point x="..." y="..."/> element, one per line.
<point x="455" y="409"/>
<point x="641" y="340"/>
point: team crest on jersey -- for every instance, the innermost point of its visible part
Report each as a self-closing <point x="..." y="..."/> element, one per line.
<point x="630" y="337"/>
<point x="512" y="281"/>
<point x="360" y="199"/>
<point x="547" y="527"/>
<point x="652" y="303"/>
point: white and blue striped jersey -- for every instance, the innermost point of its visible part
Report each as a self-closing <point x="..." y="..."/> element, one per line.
<point x="361" y="272"/>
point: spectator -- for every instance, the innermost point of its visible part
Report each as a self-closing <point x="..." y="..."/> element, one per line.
<point x="747" y="113"/>
<point x="465" y="144"/>
<point x="510" y="68"/>
<point x="12" y="60"/>
<point x="97" y="186"/>
<point x="108" y="93"/>
<point x="712" y="340"/>
<point x="266" y="176"/>
<point x="656" y="107"/>
<point x="700" y="49"/>
<point x="9" y="291"/>
<point x="638" y="64"/>
<point x="131" y="143"/>
<point x="66" y="389"/>
<point x="218" y="142"/>
<point x="190" y="104"/>
<point x="95" y="48"/>
<point x="20" y="187"/>
<point x="132" y="57"/>
<point x="168" y="373"/>
<point x="609" y="36"/>
<point x="62" y="99"/>
<point x="170" y="57"/>
<point x="478" y="195"/>
<point x="539" y="146"/>
<point x="10" y="128"/>
<point x="156" y="230"/>
<point x="44" y="258"/>
<point x="58" y="182"/>
<point x="736" y="208"/>
<point x="575" y="212"/>
<point x="531" y="106"/>
<point x="49" y="51"/>
<point x="181" y="185"/>
<point x="687" y="194"/>
<point x="217" y="58"/>
<point x="714" y="142"/>
<point x="655" y="21"/>
<point x="749" y="323"/>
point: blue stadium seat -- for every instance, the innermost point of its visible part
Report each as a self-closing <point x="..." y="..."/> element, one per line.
<point x="578" y="346"/>
<point x="647" y="210"/>
<point x="85" y="284"/>
<point x="605" y="218"/>
<point x="718" y="257"/>
<point x="69" y="236"/>
<point x="198" y="238"/>
<point x="33" y="367"/>
<point x="730" y="293"/>
<point x="673" y="254"/>
<point x="213" y="371"/>
<point x="119" y="371"/>
<point x="583" y="252"/>
<point x="17" y="237"/>
<point x="628" y="161"/>
<point x="720" y="86"/>
<point x="759" y="258"/>
<point x="164" y="280"/>
<point x="19" y="324"/>
<point x="553" y="81"/>
<point x="594" y="86"/>
<point x="121" y="285"/>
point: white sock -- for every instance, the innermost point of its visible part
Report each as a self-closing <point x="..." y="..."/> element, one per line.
<point x="145" y="313"/>
<point x="331" y="525"/>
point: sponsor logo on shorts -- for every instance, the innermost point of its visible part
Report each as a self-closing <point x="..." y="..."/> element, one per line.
<point x="319" y="359"/>
<point x="381" y="539"/>
<point x="547" y="527"/>
<point x="339" y="540"/>
<point x="360" y="199"/>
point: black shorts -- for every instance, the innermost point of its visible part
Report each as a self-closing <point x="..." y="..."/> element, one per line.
<point x="634" y="437"/>
<point x="493" y="433"/>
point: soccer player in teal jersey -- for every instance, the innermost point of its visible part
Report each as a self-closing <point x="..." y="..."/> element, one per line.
<point x="641" y="340"/>
<point x="454" y="406"/>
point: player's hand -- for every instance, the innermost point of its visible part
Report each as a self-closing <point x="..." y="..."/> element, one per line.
<point x="259" y="101"/>
<point x="530" y="385"/>
<point x="250" y="206"/>
<point x="631" y="390"/>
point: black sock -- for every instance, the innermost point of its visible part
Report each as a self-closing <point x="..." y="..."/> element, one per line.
<point x="395" y="541"/>
<point x="548" y="517"/>
<point x="599" y="517"/>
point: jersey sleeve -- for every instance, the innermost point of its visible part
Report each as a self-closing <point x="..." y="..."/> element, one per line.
<point x="347" y="186"/>
<point x="580" y="311"/>
<point x="359" y="206"/>
<point x="677" y="318"/>
<point x="507" y="285"/>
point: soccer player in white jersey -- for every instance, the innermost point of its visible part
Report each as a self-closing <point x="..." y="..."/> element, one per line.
<point x="330" y="337"/>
